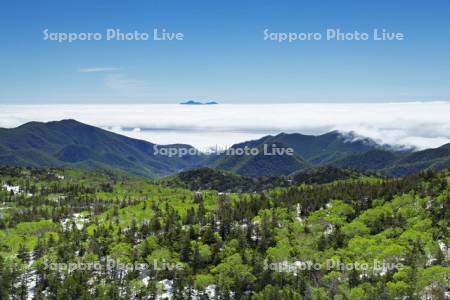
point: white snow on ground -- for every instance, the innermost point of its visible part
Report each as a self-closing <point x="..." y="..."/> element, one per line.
<point x="146" y="280"/>
<point x="77" y="218"/>
<point x="31" y="279"/>
<point x="168" y="289"/>
<point x="329" y="229"/>
<point x="12" y="188"/>
<point x="210" y="292"/>
<point x="444" y="248"/>
<point x="430" y="259"/>
<point x="299" y="213"/>
<point x="15" y="189"/>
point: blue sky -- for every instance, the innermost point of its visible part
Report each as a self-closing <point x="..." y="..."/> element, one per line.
<point x="223" y="55"/>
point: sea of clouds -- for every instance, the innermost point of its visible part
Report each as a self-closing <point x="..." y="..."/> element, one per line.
<point x="418" y="124"/>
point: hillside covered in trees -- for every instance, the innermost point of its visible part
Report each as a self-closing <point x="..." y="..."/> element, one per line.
<point x="71" y="234"/>
<point x="69" y="143"/>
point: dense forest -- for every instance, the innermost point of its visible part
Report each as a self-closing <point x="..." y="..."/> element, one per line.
<point x="72" y="234"/>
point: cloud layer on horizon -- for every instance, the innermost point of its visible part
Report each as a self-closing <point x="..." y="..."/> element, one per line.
<point x="419" y="124"/>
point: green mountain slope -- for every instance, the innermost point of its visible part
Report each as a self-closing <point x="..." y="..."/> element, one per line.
<point x="222" y="181"/>
<point x="325" y="174"/>
<point x="372" y="160"/>
<point x="72" y="143"/>
<point x="321" y="149"/>
<point x="69" y="142"/>
<point x="264" y="163"/>
<point x="309" y="151"/>
<point x="398" y="164"/>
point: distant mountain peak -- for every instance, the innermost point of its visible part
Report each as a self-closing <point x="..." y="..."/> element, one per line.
<point x="195" y="102"/>
<point x="60" y="122"/>
<point x="352" y="136"/>
<point x="69" y="142"/>
<point x="68" y="121"/>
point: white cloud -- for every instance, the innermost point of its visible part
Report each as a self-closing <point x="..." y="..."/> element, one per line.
<point x="97" y="69"/>
<point x="418" y="124"/>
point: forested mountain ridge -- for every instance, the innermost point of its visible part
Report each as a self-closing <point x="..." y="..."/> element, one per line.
<point x="322" y="149"/>
<point x="362" y="238"/>
<point x="309" y="151"/>
<point x="398" y="164"/>
<point x="334" y="149"/>
<point x="223" y="181"/>
<point x="71" y="143"/>
<point x="261" y="164"/>
<point x="228" y="182"/>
